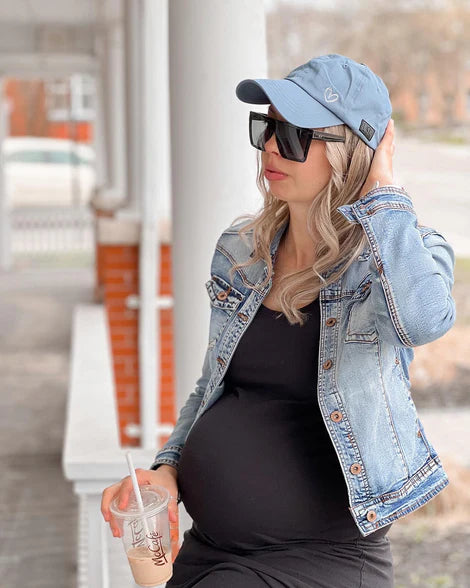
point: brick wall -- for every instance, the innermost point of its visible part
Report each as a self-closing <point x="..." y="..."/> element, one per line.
<point x="117" y="277"/>
<point x="29" y="115"/>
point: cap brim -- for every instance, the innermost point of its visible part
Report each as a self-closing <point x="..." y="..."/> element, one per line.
<point x="293" y="103"/>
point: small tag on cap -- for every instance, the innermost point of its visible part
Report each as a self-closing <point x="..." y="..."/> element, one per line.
<point x="367" y="130"/>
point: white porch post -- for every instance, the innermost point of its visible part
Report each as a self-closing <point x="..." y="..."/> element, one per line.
<point x="148" y="187"/>
<point x="99" y="142"/>
<point x="213" y="45"/>
<point x="155" y="189"/>
<point x="110" y="123"/>
<point x="116" y="104"/>
<point x="132" y="10"/>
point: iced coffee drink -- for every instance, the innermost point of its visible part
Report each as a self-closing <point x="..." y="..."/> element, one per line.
<point x="146" y="538"/>
<point x="146" y="569"/>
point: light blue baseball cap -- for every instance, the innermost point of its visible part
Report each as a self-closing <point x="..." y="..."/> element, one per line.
<point x="327" y="90"/>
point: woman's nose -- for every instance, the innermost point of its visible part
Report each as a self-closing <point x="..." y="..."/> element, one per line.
<point x="271" y="145"/>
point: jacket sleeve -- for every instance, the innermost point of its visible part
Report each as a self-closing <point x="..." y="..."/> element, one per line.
<point x="411" y="274"/>
<point x="171" y="451"/>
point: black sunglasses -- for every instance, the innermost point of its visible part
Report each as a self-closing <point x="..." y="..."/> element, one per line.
<point x="293" y="141"/>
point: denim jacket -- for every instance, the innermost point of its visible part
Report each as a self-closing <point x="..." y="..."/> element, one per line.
<point x="395" y="295"/>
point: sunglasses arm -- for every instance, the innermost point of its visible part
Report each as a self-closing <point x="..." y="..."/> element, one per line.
<point x="328" y="137"/>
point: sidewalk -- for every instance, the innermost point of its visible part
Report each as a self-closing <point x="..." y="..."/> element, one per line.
<point x="38" y="508"/>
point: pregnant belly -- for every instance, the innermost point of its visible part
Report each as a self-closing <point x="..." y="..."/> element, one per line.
<point x="263" y="472"/>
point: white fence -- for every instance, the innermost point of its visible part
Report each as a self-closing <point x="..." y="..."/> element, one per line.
<point x="48" y="229"/>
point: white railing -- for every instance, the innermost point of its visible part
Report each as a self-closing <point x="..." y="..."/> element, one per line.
<point x="55" y="229"/>
<point x="92" y="457"/>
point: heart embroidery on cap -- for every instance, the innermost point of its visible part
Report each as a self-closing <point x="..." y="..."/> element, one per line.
<point x="330" y="96"/>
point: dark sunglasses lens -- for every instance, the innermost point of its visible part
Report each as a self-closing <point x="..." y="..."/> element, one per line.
<point x="292" y="143"/>
<point x="260" y="133"/>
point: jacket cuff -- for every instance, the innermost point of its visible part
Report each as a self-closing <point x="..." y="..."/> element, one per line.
<point x="169" y="455"/>
<point x="166" y="461"/>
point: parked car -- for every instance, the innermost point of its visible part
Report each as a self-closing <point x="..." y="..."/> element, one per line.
<point x="42" y="171"/>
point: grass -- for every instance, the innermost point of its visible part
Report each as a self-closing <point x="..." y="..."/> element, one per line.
<point x="462" y="269"/>
<point x="450" y="139"/>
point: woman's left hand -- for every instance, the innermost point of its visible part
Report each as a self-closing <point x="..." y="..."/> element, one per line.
<point x="381" y="168"/>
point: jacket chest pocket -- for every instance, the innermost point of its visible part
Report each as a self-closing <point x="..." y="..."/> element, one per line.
<point x="360" y="324"/>
<point x="224" y="299"/>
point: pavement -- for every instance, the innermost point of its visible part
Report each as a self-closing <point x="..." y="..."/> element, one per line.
<point x="39" y="511"/>
<point x="437" y="176"/>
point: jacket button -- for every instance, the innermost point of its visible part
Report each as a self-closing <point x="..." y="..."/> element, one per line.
<point x="330" y="321"/>
<point x="419" y="433"/>
<point x="328" y="363"/>
<point x="222" y="295"/>
<point x="397" y="360"/>
<point x="220" y="360"/>
<point x="371" y="516"/>
<point x="336" y="416"/>
<point x="355" y="468"/>
<point x="242" y="316"/>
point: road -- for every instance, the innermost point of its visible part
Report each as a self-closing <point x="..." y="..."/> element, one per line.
<point x="437" y="177"/>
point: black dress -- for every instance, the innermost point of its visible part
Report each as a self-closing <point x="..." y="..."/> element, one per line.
<point x="261" y="480"/>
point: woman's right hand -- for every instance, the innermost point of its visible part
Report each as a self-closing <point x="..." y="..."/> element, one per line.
<point x="164" y="475"/>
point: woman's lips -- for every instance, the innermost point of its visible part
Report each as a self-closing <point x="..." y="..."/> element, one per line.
<point x="271" y="175"/>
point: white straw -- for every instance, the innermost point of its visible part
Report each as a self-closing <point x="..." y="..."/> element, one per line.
<point x="138" y="495"/>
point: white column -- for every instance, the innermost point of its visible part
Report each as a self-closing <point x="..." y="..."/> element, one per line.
<point x="99" y="127"/>
<point x="148" y="164"/>
<point x="213" y="45"/>
<point x="110" y="126"/>
<point x="133" y="25"/>
<point x="116" y="105"/>
<point x="155" y="191"/>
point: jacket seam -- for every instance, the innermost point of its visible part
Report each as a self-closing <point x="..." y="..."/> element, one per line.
<point x="389" y="412"/>
<point x="387" y="290"/>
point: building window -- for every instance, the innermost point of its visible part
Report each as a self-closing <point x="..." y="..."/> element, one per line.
<point x="83" y="92"/>
<point x="71" y="98"/>
<point x="58" y="99"/>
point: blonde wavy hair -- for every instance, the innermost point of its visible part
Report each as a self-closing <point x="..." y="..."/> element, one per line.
<point x="340" y="240"/>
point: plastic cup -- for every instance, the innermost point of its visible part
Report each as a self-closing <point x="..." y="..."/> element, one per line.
<point x="149" y="554"/>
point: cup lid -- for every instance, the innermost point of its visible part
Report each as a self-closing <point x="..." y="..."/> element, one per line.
<point x="154" y="498"/>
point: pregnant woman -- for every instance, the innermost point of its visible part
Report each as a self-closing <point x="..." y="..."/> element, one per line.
<point x="301" y="444"/>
